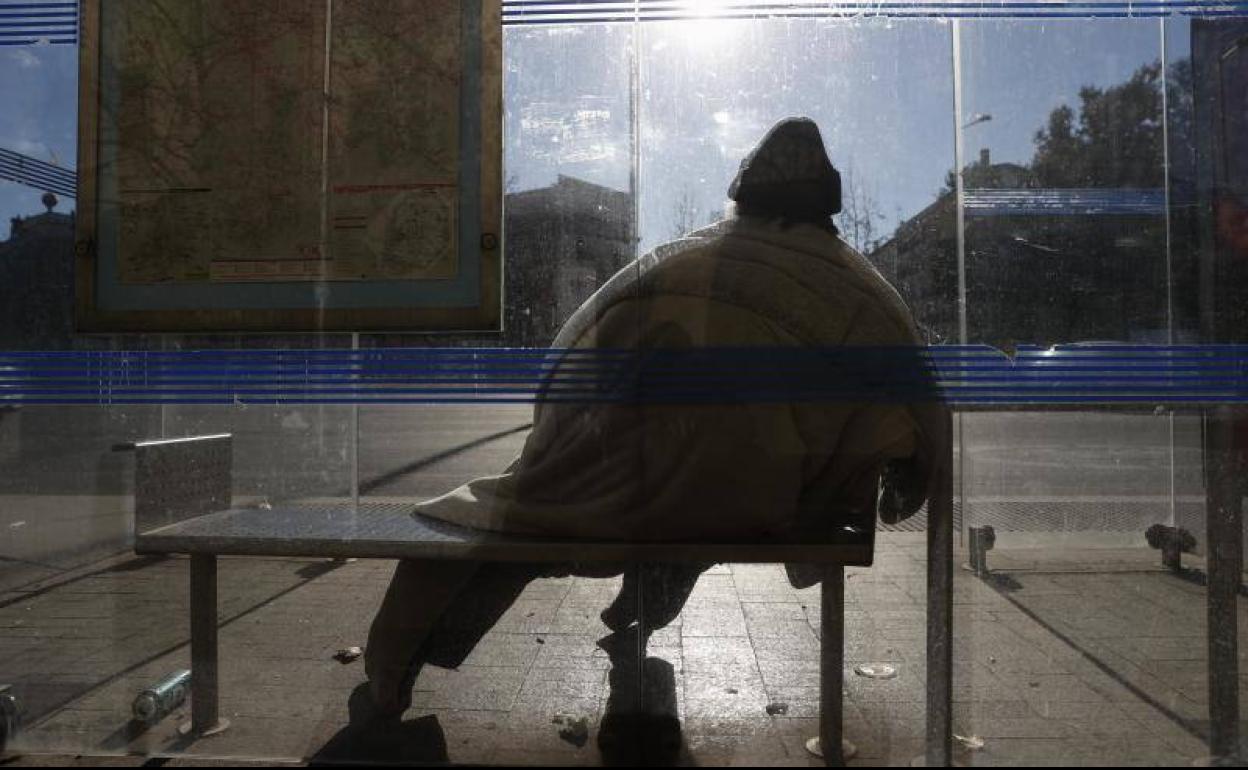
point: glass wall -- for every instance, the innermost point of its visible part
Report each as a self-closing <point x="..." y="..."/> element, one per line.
<point x="1051" y="184"/>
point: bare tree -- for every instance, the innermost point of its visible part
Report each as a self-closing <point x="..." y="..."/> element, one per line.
<point x="684" y="214"/>
<point x="861" y="218"/>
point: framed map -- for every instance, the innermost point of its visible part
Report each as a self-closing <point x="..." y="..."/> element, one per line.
<point x="289" y="165"/>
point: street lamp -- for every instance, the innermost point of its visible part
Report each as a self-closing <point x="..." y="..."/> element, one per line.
<point x="977" y="118"/>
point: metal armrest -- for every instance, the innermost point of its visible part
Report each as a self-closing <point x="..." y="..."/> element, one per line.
<point x="178" y="479"/>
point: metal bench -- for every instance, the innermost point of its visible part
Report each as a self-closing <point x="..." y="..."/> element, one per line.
<point x="183" y="511"/>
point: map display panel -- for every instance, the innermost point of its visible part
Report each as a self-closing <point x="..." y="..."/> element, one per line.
<point x="393" y="169"/>
<point x="205" y="169"/>
<point x="290" y="165"/>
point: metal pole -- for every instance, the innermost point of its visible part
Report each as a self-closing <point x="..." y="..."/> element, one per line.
<point x="940" y="615"/>
<point x="1165" y="164"/>
<point x="959" y="210"/>
<point x="960" y="236"/>
<point x="1224" y="539"/>
<point x="205" y="719"/>
<point x="939" y="749"/>
<point x="634" y="123"/>
<point x="832" y="665"/>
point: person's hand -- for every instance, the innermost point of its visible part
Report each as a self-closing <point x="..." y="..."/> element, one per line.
<point x="903" y="489"/>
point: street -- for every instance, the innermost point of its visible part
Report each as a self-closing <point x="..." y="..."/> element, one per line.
<point x="65" y="494"/>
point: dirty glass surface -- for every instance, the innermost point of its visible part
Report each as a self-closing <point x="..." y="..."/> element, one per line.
<point x="879" y="91"/>
<point x="1057" y="184"/>
<point x="1079" y="192"/>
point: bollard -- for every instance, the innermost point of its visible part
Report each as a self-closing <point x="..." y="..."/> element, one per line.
<point x="158" y="701"/>
<point x="10" y="716"/>
<point x="981" y="541"/>
<point x="1172" y="542"/>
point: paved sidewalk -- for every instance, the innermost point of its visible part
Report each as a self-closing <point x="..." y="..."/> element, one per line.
<point x="1075" y="656"/>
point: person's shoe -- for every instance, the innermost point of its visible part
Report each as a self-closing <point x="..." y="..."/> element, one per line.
<point x="617" y="616"/>
<point x="386" y="700"/>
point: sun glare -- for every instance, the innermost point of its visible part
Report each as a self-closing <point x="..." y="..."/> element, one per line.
<point x="706" y="30"/>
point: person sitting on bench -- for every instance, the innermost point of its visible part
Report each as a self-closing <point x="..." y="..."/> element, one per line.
<point x="774" y="275"/>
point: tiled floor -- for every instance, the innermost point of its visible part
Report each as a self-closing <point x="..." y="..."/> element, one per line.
<point x="1088" y="657"/>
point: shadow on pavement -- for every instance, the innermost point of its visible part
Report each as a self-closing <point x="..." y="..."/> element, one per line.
<point x="368" y="740"/>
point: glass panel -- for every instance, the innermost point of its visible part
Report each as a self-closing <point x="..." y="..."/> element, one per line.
<point x="523" y="652"/>
<point x="569" y="171"/>
<point x="281" y="454"/>
<point x="1064" y="182"/>
<point x="1063" y="189"/>
<point x="746" y="657"/>
<point x="1076" y="641"/>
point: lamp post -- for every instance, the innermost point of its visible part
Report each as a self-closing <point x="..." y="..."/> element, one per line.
<point x="938" y="752"/>
<point x="976" y="119"/>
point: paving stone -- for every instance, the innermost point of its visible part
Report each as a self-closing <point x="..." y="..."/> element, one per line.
<point x="714" y="623"/>
<point x="481" y="688"/>
<point x="552" y="696"/>
<point x="797" y="630"/>
<point x="781" y="672"/>
<point x="798" y="700"/>
<point x="724" y="678"/>
<point x="773" y="612"/>
<point x="571" y="651"/>
<point x="514" y="650"/>
<point x="1080" y="668"/>
<point x="749" y="750"/>
<point x="703" y="653"/>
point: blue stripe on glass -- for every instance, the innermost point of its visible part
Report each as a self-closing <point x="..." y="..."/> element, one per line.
<point x="52" y="15"/>
<point x="61" y="27"/>
<point x="38" y="24"/>
<point x="38" y="35"/>
<point x="957" y="374"/>
<point x="1065" y="202"/>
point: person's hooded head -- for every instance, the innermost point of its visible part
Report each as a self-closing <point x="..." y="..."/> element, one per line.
<point x="789" y="177"/>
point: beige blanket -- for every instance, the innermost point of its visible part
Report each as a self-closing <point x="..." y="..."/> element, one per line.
<point x="637" y="471"/>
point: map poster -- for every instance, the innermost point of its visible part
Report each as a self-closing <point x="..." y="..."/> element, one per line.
<point x="290" y="164"/>
<point x="392" y="170"/>
<point x="206" y="170"/>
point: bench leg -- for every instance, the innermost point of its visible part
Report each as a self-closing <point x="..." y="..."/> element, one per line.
<point x="832" y="665"/>
<point x="205" y="719"/>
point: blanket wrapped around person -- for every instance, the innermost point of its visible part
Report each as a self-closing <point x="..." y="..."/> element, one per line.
<point x="653" y="470"/>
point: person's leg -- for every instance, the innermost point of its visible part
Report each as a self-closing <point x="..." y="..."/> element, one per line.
<point x="666" y="587"/>
<point x="419" y="593"/>
<point x="481" y="603"/>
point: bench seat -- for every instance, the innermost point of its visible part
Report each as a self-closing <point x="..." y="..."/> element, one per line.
<point x="388" y="530"/>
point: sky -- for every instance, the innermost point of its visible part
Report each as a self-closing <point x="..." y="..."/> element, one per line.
<point x="881" y="91"/>
<point x="39" y="94"/>
<point x="1018" y="72"/>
